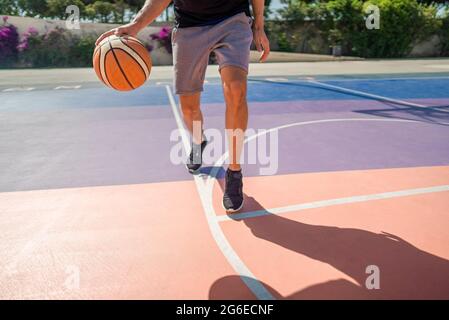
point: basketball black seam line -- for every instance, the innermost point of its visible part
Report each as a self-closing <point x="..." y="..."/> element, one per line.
<point x="119" y="66"/>
<point x="137" y="62"/>
<point x="106" y="73"/>
<point x="148" y="67"/>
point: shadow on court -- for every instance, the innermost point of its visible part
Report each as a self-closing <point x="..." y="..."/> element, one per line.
<point x="397" y="110"/>
<point x="431" y="115"/>
<point x="406" y="272"/>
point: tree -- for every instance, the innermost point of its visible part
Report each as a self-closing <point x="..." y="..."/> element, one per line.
<point x="101" y="10"/>
<point x="9" y="7"/>
<point x="33" y="8"/>
<point x="56" y="8"/>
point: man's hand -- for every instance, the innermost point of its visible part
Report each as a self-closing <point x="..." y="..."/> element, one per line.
<point x="150" y="11"/>
<point x="260" y="38"/>
<point x="261" y="41"/>
<point x="131" y="29"/>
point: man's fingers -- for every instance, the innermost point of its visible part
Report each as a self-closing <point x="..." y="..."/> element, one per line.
<point x="120" y="32"/>
<point x="266" y="51"/>
<point x="104" y="35"/>
<point x="264" y="56"/>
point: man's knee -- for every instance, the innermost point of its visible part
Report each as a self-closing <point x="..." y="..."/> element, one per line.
<point x="190" y="104"/>
<point x="235" y="90"/>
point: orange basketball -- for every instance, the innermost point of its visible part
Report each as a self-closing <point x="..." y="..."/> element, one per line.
<point x="122" y="63"/>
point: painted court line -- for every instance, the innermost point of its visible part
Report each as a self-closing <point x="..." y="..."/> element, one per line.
<point x="19" y="89"/>
<point x="67" y="87"/>
<point x="376" y="79"/>
<point x="332" y="202"/>
<point x="206" y="200"/>
<point x="210" y="180"/>
<point x="369" y="95"/>
<point x="277" y="79"/>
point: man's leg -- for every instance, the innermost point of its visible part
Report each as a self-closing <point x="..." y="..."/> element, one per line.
<point x="234" y="80"/>
<point x="193" y="118"/>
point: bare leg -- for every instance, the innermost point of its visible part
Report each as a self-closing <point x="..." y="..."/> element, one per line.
<point x="234" y="82"/>
<point x="193" y="118"/>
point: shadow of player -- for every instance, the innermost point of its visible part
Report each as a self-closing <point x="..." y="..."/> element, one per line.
<point x="406" y="272"/>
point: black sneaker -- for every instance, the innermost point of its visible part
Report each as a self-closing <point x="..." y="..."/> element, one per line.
<point x="233" y="195"/>
<point x="196" y="157"/>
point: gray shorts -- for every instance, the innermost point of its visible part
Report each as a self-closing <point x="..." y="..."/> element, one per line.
<point x="230" y="40"/>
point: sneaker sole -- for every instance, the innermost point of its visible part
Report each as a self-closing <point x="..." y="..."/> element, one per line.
<point x="193" y="171"/>
<point x="197" y="170"/>
<point x="233" y="210"/>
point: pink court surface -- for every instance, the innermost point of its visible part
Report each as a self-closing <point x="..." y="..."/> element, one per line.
<point x="92" y="207"/>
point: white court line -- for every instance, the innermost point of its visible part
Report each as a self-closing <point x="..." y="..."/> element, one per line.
<point x="277" y="79"/>
<point x="213" y="174"/>
<point x="377" y="79"/>
<point x="67" y="87"/>
<point x="18" y="89"/>
<point x="234" y="260"/>
<point x="219" y="163"/>
<point x="374" y="96"/>
<point x="333" y="202"/>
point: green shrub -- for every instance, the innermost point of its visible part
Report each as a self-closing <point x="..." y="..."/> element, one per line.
<point x="443" y="34"/>
<point x="81" y="51"/>
<point x="402" y="24"/>
<point x="57" y="48"/>
<point x="295" y="25"/>
<point x="283" y="43"/>
<point x="342" y="22"/>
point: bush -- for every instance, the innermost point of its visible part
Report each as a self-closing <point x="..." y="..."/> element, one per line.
<point x="81" y="51"/>
<point x="403" y="23"/>
<point x="9" y="40"/>
<point x="57" y="48"/>
<point x="443" y="34"/>
<point x="342" y="22"/>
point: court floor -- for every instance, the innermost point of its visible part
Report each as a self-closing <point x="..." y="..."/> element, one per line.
<point x="93" y="206"/>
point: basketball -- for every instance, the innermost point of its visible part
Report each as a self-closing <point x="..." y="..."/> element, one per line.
<point x="122" y="63"/>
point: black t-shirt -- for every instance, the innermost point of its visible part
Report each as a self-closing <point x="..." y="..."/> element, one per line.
<point x="193" y="13"/>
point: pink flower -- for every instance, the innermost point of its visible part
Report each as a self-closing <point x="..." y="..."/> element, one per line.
<point x="5" y="19"/>
<point x="32" y="31"/>
<point x="164" y="32"/>
<point x="22" y="46"/>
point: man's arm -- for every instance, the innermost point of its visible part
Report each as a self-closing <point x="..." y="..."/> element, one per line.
<point x="150" y="11"/>
<point x="260" y="38"/>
